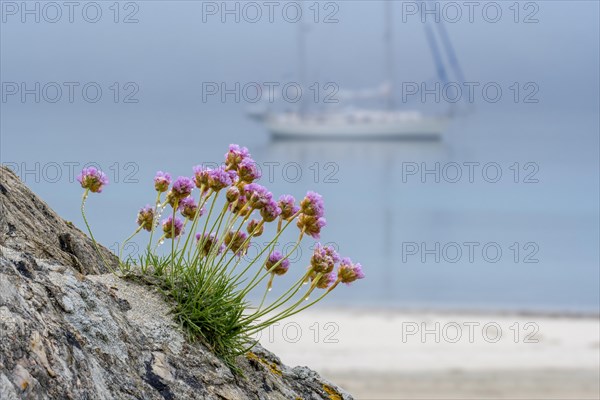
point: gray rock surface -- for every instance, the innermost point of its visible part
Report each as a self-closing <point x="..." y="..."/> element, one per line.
<point x="69" y="330"/>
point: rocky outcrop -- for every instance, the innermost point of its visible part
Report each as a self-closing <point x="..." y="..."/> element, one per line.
<point x="69" y="330"/>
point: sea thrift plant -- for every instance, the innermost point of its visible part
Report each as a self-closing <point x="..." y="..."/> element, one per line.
<point x="206" y="268"/>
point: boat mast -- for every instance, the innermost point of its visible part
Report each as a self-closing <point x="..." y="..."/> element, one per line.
<point x="302" y="59"/>
<point x="453" y="60"/>
<point x="389" y="53"/>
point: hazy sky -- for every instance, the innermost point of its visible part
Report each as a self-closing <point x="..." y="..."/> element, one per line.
<point x="170" y="51"/>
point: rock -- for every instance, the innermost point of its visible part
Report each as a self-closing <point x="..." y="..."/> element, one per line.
<point x="70" y="330"/>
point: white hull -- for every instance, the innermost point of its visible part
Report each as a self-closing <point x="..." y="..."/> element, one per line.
<point x="392" y="125"/>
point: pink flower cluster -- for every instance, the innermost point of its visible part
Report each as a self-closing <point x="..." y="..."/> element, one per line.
<point x="244" y="196"/>
<point x="322" y="264"/>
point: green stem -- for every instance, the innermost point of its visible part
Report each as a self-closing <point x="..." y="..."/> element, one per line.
<point x="183" y="230"/>
<point x="85" y="195"/>
<point x="256" y="229"/>
<point x="195" y="255"/>
<point x="228" y="228"/>
<point x="127" y="240"/>
<point x="278" y="302"/>
<point x="216" y="268"/>
<point x="158" y="243"/>
<point x="250" y="285"/>
<point x="175" y="205"/>
<point x="273" y="241"/>
<point x="192" y="231"/>
<point x="267" y="290"/>
<point x="214" y="249"/>
<point x="290" y="311"/>
<point x="154" y="220"/>
<point x="212" y="205"/>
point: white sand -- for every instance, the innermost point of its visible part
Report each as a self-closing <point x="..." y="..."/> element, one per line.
<point x="373" y="354"/>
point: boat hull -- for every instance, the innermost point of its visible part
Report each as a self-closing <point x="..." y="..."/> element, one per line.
<point x="423" y="129"/>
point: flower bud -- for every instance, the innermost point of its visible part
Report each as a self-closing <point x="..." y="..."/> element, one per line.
<point x="145" y="218"/>
<point x="232" y="194"/>
<point x="208" y="243"/>
<point x="248" y="170"/>
<point x="311" y="225"/>
<point x="219" y="179"/>
<point x="255" y="228"/>
<point x="169" y="227"/>
<point x="323" y="259"/>
<point x="270" y="211"/>
<point x="235" y="241"/>
<point x="324" y="281"/>
<point x="235" y="156"/>
<point x="313" y="205"/>
<point x="201" y="176"/>
<point x="287" y="206"/>
<point x="349" y="272"/>
<point x="189" y="208"/>
<point x="181" y="189"/>
<point x="240" y="205"/>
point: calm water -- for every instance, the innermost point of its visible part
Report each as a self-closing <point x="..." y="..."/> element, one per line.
<point x="382" y="214"/>
<point x="380" y="210"/>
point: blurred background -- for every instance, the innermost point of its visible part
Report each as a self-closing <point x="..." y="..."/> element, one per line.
<point x="456" y="145"/>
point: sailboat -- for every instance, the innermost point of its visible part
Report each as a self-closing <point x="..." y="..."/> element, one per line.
<point x="359" y="123"/>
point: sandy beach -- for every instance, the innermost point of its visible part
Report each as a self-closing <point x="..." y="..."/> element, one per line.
<point x="391" y="354"/>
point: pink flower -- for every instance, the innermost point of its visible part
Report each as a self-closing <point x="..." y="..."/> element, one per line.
<point x="323" y="259"/>
<point x="235" y="156"/>
<point x="248" y="170"/>
<point x="219" y="179"/>
<point x="169" y="228"/>
<point x="181" y="189"/>
<point x="311" y="225"/>
<point x="93" y="179"/>
<point x="208" y="243"/>
<point x="313" y="205"/>
<point x="188" y="208"/>
<point x="162" y="180"/>
<point x="274" y="258"/>
<point x="236" y="242"/>
<point x="349" y="272"/>
<point x="324" y="281"/>
<point x="201" y="176"/>
<point x="257" y="195"/>
<point x="270" y="211"/>
<point x="255" y="228"/>
<point x="287" y="205"/>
